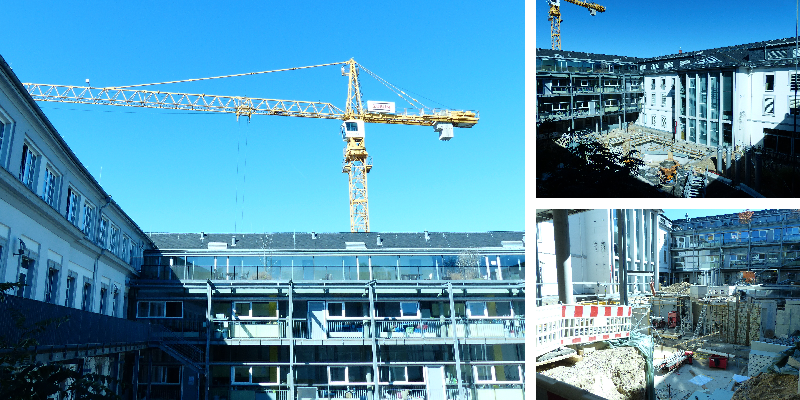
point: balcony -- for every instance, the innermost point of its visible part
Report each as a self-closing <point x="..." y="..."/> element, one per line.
<point x="435" y="328"/>
<point x="349" y="329"/>
<point x="410" y="393"/>
<point x="249" y="329"/>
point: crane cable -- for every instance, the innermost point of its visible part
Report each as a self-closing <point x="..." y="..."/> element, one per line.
<point x="226" y="76"/>
<point x="395" y="89"/>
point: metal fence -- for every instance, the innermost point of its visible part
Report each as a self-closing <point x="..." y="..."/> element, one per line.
<point x="74" y="326"/>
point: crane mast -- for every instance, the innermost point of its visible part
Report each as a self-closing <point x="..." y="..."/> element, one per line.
<point x="356" y="163"/>
<point x="554" y="16"/>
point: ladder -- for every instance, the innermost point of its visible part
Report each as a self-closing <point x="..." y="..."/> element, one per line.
<point x="686" y="322"/>
<point x="701" y="320"/>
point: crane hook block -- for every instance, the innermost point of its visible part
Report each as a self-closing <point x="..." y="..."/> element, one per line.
<point x="445" y="130"/>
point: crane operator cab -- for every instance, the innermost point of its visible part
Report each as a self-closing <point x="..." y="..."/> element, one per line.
<point x="352" y="128"/>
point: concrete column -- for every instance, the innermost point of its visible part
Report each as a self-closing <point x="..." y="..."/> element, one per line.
<point x="757" y="183"/>
<point x="456" y="351"/>
<point x="563" y="259"/>
<point x="727" y="159"/>
<point x="623" y="264"/>
<point x="290" y="331"/>
<point x="655" y="257"/>
<point x="719" y="160"/>
<point x="209" y="332"/>
<point x="746" y="164"/>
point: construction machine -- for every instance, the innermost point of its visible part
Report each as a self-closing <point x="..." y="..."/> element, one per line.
<point x="356" y="160"/>
<point x="555" y="18"/>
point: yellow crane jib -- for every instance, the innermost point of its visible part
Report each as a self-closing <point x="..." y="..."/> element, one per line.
<point x="356" y="163"/>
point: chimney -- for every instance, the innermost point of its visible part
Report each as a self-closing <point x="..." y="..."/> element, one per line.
<point x="380" y="241"/>
<point x="680" y="51"/>
<point x="427" y="237"/>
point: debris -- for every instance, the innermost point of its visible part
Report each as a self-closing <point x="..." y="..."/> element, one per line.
<point x="768" y="386"/>
<point x="700" y="380"/>
<point x="680" y="288"/>
<point x="622" y="366"/>
<point x="740" y="378"/>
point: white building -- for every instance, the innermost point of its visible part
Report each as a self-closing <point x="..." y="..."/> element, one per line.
<point x="61" y="234"/>
<point x="740" y="95"/>
<point x="595" y="251"/>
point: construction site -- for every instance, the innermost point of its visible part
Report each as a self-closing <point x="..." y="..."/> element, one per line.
<point x="636" y="337"/>
<point x="705" y="123"/>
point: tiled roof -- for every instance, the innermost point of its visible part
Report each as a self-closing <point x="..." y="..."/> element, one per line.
<point x="335" y="241"/>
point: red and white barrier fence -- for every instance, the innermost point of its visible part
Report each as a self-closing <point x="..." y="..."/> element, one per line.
<point x="561" y="325"/>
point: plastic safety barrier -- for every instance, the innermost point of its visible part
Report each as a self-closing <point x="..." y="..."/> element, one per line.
<point x="561" y="325"/>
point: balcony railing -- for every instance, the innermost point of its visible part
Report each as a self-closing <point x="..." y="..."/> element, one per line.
<point x="435" y="328"/>
<point x="402" y="393"/>
<point x="300" y="328"/>
<point x="349" y="329"/>
<point x="344" y="394"/>
<point x="243" y="329"/>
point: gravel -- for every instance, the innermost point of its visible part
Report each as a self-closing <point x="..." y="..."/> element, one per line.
<point x="678" y="288"/>
<point x="615" y="374"/>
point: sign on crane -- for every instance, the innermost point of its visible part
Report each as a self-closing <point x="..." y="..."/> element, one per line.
<point x="356" y="161"/>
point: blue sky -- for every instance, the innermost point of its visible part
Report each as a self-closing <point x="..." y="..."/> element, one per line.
<point x="655" y="28"/>
<point x="190" y="172"/>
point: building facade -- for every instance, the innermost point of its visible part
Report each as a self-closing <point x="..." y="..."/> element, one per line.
<point x="715" y="250"/>
<point x="576" y="90"/>
<point x="744" y="95"/>
<point x="62" y="237"/>
<point x="338" y="315"/>
<point x="596" y="251"/>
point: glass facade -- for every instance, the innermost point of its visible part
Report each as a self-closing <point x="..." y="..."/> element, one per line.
<point x="700" y="103"/>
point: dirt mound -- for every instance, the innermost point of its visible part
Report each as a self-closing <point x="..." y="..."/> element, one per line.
<point x="616" y="373"/>
<point x="768" y="387"/>
<point x="677" y="288"/>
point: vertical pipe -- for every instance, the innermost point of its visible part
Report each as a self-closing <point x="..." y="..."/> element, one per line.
<point x="623" y="257"/>
<point x="290" y="329"/>
<point x="208" y="337"/>
<point x="563" y="260"/>
<point x="538" y="271"/>
<point x="461" y="394"/>
<point x="374" y="341"/>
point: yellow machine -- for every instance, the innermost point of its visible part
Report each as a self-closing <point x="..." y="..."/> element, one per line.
<point x="356" y="161"/>
<point x="555" y="18"/>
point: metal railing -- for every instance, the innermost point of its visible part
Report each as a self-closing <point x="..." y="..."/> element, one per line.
<point x="465" y="328"/>
<point x="177" y="346"/>
<point x="74" y="326"/>
<point x="398" y="393"/>
<point x="300" y="328"/>
<point x="349" y="328"/>
<point x="497" y="328"/>
<point x="243" y="329"/>
<point x="419" y="328"/>
<point x="344" y="394"/>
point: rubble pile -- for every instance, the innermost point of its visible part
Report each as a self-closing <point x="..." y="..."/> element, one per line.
<point x="680" y="288"/>
<point x="768" y="387"/>
<point x="615" y="374"/>
<point x="787" y="341"/>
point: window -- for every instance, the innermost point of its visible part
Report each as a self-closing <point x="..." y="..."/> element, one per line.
<point x="101" y="236"/>
<point x="653" y="84"/>
<point x="28" y="167"/>
<point x="409" y="310"/>
<point x="73" y="201"/>
<point x="654" y="120"/>
<point x="794" y="105"/>
<point x="114" y="243"/>
<point x="769" y="105"/>
<point x="266" y="309"/>
<point x="87" y="295"/>
<point x="103" y="295"/>
<point x="489" y="309"/>
<point x="663" y="122"/>
<point x="663" y="100"/>
<point x="69" y="298"/>
<point x="49" y="189"/>
<point x="769" y="82"/>
<point x="794" y="81"/>
<point x="653" y="99"/>
<point x="159" y="309"/>
<point x="256" y="375"/>
<point x="497" y="373"/>
<point x="124" y="250"/>
<point x="337" y="310"/>
<point x="404" y="374"/>
<point x="26" y="272"/>
<point x="114" y="301"/>
<point x="166" y="375"/>
<point x="349" y="374"/>
<point x="88" y="218"/>
<point x="51" y="290"/>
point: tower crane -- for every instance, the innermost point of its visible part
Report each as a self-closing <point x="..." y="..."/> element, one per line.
<point x="356" y="161"/>
<point x="555" y="18"/>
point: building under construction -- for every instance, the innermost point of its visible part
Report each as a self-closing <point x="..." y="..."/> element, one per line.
<point x="726" y="115"/>
<point x="725" y="315"/>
